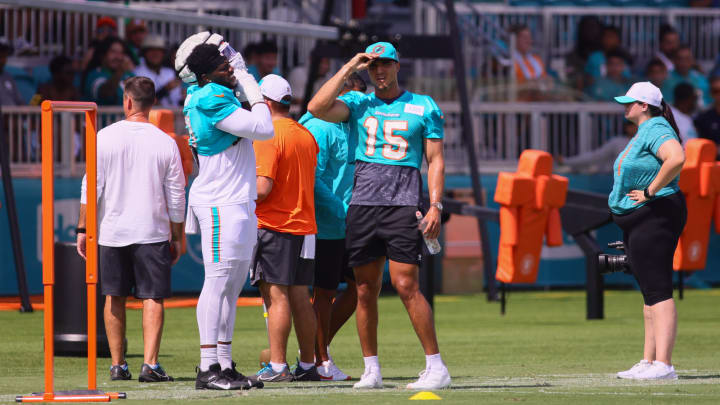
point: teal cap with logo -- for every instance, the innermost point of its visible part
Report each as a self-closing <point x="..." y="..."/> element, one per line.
<point x="384" y="50"/>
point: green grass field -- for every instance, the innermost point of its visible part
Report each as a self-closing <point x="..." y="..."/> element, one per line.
<point x="542" y="351"/>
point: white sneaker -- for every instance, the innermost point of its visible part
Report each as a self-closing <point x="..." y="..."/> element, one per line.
<point x="370" y="379"/>
<point x="657" y="371"/>
<point x="330" y="372"/>
<point x="638" y="367"/>
<point x="431" y="379"/>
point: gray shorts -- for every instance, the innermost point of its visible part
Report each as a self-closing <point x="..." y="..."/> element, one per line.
<point x="141" y="269"/>
<point x="277" y="260"/>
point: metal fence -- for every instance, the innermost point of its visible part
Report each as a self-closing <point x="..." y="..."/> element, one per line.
<point x="502" y="131"/>
<point x="51" y="27"/>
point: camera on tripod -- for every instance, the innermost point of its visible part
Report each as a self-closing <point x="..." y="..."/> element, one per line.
<point x="613" y="263"/>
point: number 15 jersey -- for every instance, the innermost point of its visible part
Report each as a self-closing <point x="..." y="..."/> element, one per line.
<point x="392" y="133"/>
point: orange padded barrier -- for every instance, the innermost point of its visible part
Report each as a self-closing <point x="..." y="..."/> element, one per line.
<point x="165" y="120"/>
<point x="529" y="209"/>
<point x="700" y="183"/>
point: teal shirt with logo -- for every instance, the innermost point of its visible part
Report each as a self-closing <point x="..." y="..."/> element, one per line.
<point x="392" y="134"/>
<point x="638" y="165"/>
<point x="333" y="175"/>
<point x="204" y="107"/>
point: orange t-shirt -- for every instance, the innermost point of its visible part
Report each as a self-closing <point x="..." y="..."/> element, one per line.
<point x="289" y="158"/>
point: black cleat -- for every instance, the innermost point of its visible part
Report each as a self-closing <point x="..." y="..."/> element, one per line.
<point x="231" y="374"/>
<point x="149" y="374"/>
<point x="120" y="373"/>
<point x="212" y="379"/>
<point x="310" y="374"/>
<point x="267" y="374"/>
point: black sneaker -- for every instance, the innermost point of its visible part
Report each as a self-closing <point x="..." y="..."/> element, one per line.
<point x="310" y="374"/>
<point x="120" y="373"/>
<point x="212" y="379"/>
<point x="149" y="374"/>
<point x="231" y="374"/>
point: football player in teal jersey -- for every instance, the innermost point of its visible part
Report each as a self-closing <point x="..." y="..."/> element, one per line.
<point x="395" y="128"/>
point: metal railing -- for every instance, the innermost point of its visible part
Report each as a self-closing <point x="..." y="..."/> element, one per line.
<point x="502" y="131"/>
<point x="52" y="27"/>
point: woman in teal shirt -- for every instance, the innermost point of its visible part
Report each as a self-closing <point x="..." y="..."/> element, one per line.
<point x="648" y="206"/>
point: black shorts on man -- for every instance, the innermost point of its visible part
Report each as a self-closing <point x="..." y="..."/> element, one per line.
<point x="142" y="270"/>
<point x="377" y="231"/>
<point x="277" y="260"/>
<point x="331" y="264"/>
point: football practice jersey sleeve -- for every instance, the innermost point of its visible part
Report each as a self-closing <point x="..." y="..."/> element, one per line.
<point x="434" y="121"/>
<point x="355" y="102"/>
<point x="217" y="103"/>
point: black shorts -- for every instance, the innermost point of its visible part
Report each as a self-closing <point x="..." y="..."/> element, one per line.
<point x="377" y="231"/>
<point x="331" y="264"/>
<point x="651" y="234"/>
<point x="277" y="260"/>
<point x="142" y="268"/>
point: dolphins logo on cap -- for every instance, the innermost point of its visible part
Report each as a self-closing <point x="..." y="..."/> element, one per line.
<point x="378" y="50"/>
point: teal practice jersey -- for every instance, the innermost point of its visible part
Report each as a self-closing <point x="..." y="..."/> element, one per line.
<point x="393" y="133"/>
<point x="204" y="107"/>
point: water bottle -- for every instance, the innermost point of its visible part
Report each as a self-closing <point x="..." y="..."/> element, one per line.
<point x="432" y="244"/>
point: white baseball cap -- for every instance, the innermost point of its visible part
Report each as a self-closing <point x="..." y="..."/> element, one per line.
<point x="644" y="92"/>
<point x="275" y="88"/>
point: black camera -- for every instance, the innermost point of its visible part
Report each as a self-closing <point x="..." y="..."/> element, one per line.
<point x="613" y="263"/>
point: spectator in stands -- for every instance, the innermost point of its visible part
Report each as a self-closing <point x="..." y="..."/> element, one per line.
<point x="9" y="94"/>
<point x="669" y="44"/>
<point x="266" y="60"/>
<point x="104" y="28"/>
<point x="167" y="84"/>
<point x="716" y="69"/>
<point x="600" y="160"/>
<point x="656" y="72"/>
<point x="683" y="109"/>
<point x="686" y="73"/>
<point x="526" y="65"/>
<point x="708" y="122"/>
<point x="135" y="33"/>
<point x="109" y="68"/>
<point x="299" y="75"/>
<point x="596" y="65"/>
<point x="61" y="86"/>
<point x="705" y="3"/>
<point x="605" y="88"/>
<point x="589" y="35"/>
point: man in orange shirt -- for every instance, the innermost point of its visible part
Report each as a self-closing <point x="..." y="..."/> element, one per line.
<point x="283" y="266"/>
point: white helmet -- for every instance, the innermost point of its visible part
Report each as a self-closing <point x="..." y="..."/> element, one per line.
<point x="186" y="49"/>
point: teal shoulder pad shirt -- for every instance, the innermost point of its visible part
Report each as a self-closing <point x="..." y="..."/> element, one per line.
<point x="637" y="165"/>
<point x="204" y="107"/>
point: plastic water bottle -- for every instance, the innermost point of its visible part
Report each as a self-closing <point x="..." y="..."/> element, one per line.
<point x="432" y="244"/>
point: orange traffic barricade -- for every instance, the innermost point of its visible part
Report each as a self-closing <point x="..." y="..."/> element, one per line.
<point x="529" y="210"/>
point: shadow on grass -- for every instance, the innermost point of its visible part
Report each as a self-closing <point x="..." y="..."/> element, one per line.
<point x="699" y="377"/>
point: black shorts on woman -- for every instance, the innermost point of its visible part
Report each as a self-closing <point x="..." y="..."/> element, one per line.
<point x="651" y="234"/>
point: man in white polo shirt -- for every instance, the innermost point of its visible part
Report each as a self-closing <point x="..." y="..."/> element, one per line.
<point x="141" y="211"/>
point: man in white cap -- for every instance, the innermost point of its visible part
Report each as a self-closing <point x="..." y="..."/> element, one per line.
<point x="283" y="266"/>
<point x="167" y="85"/>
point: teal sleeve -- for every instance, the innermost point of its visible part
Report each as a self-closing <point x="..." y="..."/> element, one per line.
<point x="662" y="135"/>
<point x="353" y="100"/>
<point x="325" y="200"/>
<point x="218" y="104"/>
<point x="434" y="122"/>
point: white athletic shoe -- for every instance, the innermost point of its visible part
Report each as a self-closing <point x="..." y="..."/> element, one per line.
<point x="431" y="379"/>
<point x="330" y="372"/>
<point x="370" y="379"/>
<point x="638" y="367"/>
<point x="657" y="371"/>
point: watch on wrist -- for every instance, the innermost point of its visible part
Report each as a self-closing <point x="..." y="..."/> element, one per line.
<point x="80" y="230"/>
<point x="647" y="194"/>
<point x="437" y="205"/>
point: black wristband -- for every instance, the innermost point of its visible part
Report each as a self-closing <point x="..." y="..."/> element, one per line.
<point x="80" y="230"/>
<point x="646" y="193"/>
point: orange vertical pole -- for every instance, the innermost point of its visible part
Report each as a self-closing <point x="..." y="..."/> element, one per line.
<point x="91" y="228"/>
<point x="48" y="244"/>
